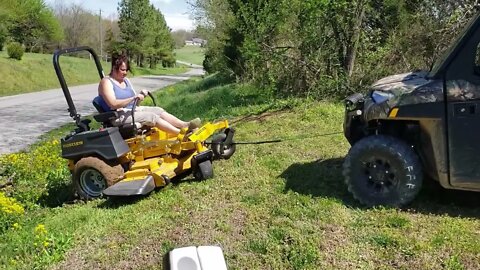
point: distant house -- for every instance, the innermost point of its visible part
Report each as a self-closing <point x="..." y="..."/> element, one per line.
<point x="195" y="42"/>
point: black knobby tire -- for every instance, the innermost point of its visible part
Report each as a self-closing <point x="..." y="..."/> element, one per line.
<point x="203" y="170"/>
<point x="92" y="175"/>
<point x="383" y="170"/>
<point x="228" y="149"/>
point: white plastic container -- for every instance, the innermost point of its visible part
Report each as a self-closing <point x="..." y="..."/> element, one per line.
<point x="201" y="258"/>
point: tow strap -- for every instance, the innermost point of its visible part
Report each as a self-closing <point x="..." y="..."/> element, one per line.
<point x="280" y="140"/>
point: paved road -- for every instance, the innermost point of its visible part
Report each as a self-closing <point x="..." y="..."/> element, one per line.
<point x="25" y="117"/>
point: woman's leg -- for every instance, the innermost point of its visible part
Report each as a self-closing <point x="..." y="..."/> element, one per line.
<point x="166" y="126"/>
<point x="173" y="120"/>
<point x="152" y="119"/>
<point x="164" y="115"/>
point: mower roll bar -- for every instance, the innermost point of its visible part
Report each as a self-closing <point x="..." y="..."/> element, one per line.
<point x="56" y="56"/>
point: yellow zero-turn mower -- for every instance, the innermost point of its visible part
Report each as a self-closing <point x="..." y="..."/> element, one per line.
<point x="129" y="160"/>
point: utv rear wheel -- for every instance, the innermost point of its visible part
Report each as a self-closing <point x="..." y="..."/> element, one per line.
<point x="383" y="170"/>
<point x="92" y="175"/>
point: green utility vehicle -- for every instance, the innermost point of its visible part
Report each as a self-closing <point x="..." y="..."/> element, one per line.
<point x="417" y="124"/>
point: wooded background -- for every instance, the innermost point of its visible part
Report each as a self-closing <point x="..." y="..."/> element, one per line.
<point x="317" y="48"/>
<point x="326" y="48"/>
<point x="140" y="29"/>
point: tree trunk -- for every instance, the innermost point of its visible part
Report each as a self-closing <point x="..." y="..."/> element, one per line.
<point x="352" y="46"/>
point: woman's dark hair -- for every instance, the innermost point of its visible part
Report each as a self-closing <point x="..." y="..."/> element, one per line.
<point x="119" y="59"/>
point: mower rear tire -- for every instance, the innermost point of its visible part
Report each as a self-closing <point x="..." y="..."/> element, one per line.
<point x="383" y="170"/>
<point x="92" y="175"/>
<point x="217" y="147"/>
<point x="203" y="170"/>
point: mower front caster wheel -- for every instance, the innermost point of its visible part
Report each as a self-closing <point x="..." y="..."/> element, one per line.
<point x="203" y="170"/>
<point x="221" y="150"/>
<point x="92" y="175"/>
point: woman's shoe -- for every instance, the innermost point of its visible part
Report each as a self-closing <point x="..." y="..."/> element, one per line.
<point x="195" y="123"/>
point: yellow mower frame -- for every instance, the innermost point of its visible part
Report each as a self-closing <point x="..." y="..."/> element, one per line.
<point x="124" y="161"/>
<point x="158" y="156"/>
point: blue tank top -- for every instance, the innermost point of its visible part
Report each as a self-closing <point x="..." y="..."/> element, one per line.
<point x="120" y="93"/>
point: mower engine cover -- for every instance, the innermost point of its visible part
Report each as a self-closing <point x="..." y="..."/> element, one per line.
<point x="106" y="143"/>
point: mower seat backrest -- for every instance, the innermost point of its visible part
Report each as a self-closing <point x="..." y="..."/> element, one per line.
<point x="96" y="103"/>
<point x="108" y="117"/>
<point x="104" y="117"/>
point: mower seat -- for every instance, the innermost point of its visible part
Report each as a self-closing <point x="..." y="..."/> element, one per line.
<point x="108" y="117"/>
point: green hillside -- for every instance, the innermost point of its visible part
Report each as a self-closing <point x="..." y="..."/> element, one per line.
<point x="191" y="54"/>
<point x="35" y="72"/>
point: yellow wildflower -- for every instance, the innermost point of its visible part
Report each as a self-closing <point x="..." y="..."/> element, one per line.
<point x="40" y="229"/>
<point x="10" y="205"/>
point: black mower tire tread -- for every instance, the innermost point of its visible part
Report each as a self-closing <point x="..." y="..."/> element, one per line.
<point x="203" y="171"/>
<point x="216" y="145"/>
<point x="401" y="154"/>
<point x="111" y="173"/>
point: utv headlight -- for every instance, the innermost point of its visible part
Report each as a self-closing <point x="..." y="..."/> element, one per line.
<point x="354" y="102"/>
<point x="380" y="97"/>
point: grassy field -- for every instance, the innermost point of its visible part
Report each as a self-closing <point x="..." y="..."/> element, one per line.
<point x="35" y="72"/>
<point x="275" y="206"/>
<point x="190" y="54"/>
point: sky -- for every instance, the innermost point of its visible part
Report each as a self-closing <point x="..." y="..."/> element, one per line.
<point x="176" y="12"/>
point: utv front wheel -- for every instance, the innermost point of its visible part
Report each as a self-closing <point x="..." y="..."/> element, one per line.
<point x="92" y="175"/>
<point x="383" y="170"/>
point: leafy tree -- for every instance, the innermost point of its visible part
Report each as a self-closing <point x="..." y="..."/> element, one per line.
<point x="3" y="36"/>
<point x="33" y="24"/>
<point x="326" y="48"/>
<point x="133" y="17"/>
<point x="143" y="31"/>
<point x="6" y="11"/>
<point x="159" y="42"/>
<point x="112" y="45"/>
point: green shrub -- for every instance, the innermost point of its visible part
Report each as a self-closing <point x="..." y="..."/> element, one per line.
<point x="168" y="60"/>
<point x="15" y="50"/>
<point x="3" y="37"/>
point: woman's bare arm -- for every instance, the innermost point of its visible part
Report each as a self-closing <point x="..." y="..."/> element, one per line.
<point x="105" y="89"/>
